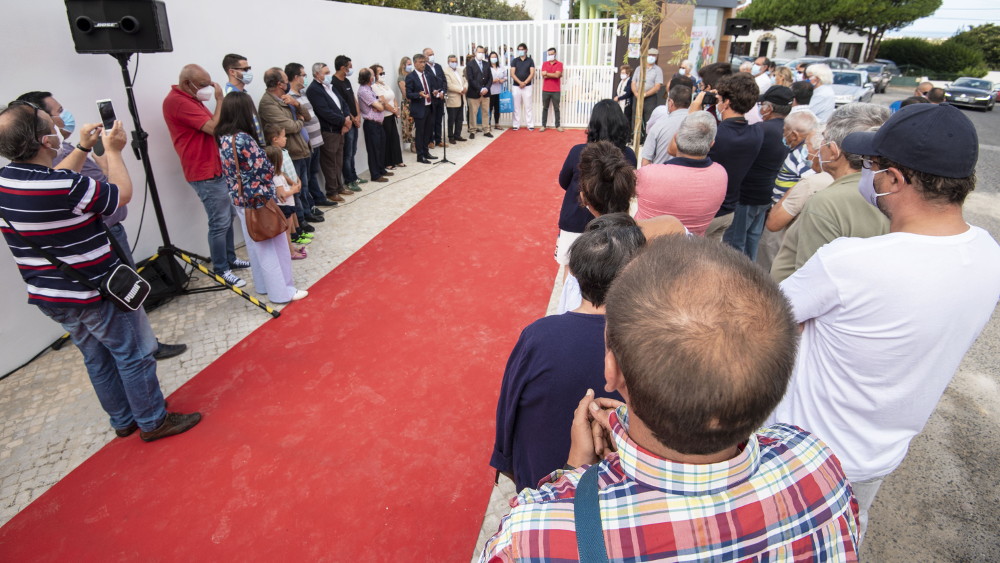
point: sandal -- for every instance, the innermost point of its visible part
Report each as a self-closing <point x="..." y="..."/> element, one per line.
<point x="298" y="256"/>
<point x="401" y="165"/>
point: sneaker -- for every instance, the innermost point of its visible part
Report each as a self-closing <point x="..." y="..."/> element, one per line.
<point x="232" y="279"/>
<point x="300" y="294"/>
<point x="560" y="129"/>
<point x="174" y="423"/>
<point x="354" y="187"/>
<point x="488" y="134"/>
<point x="307" y="228"/>
<point x="301" y="240"/>
<point x="531" y="128"/>
<point x="516" y="128"/>
<point x="540" y="129"/>
<point x="240" y="264"/>
<point x="167" y="351"/>
<point x="361" y="181"/>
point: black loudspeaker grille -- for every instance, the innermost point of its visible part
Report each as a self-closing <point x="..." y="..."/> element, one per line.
<point x="119" y="26"/>
<point x="737" y="27"/>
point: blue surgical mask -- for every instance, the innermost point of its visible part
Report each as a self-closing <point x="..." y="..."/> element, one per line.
<point x="350" y="71"/>
<point x="651" y="59"/>
<point x="866" y="186"/>
<point x="453" y="65"/>
<point x="493" y="60"/>
<point x="785" y="142"/>
<point x="327" y="79"/>
<point x="682" y="71"/>
<point x="520" y="52"/>
<point x="69" y="122"/>
<point x="755" y="70"/>
<point x="409" y="68"/>
<point x="247" y="78"/>
<point x="718" y="113"/>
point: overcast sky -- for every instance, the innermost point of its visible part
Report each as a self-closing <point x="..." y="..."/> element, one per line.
<point x="952" y="16"/>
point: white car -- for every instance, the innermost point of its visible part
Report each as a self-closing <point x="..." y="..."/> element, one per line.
<point x="852" y="86"/>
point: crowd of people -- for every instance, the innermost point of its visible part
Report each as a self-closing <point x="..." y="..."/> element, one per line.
<point x="753" y="325"/>
<point x="706" y="392"/>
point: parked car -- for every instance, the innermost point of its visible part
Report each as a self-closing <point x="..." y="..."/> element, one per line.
<point x="740" y="59"/>
<point x="879" y="73"/>
<point x="833" y="62"/>
<point x="971" y="92"/>
<point x="852" y="86"/>
<point x="890" y="66"/>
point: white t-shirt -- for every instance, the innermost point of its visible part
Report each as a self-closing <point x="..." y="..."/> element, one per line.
<point x="279" y="185"/>
<point x="887" y="320"/>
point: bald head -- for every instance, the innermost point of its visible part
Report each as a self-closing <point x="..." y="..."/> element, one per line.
<point x="193" y="78"/>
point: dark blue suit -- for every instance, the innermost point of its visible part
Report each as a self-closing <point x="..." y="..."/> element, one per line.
<point x="331" y="121"/>
<point x="441" y="85"/>
<point x="421" y="112"/>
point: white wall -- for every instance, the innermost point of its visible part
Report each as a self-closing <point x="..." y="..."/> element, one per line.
<point x="778" y="51"/>
<point x="39" y="55"/>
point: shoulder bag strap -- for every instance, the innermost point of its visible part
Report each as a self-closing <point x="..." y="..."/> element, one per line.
<point x="239" y="173"/>
<point x="587" y="516"/>
<point x="62" y="266"/>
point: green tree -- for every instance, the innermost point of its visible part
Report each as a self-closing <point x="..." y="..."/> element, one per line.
<point x="946" y="60"/>
<point x="486" y="9"/>
<point x="984" y="38"/>
<point x="813" y="15"/>
<point x="873" y="18"/>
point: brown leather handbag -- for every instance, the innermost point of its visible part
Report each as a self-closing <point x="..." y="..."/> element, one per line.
<point x="263" y="223"/>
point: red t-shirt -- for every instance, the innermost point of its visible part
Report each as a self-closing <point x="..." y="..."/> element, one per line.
<point x="185" y="116"/>
<point x="551" y="84"/>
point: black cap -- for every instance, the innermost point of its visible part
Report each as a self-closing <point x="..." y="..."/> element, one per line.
<point x="779" y="95"/>
<point x="930" y="138"/>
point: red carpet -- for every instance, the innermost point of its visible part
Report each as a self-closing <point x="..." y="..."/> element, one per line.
<point x="358" y="426"/>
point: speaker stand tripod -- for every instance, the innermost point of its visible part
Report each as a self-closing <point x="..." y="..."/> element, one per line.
<point x="444" y="137"/>
<point x="168" y="250"/>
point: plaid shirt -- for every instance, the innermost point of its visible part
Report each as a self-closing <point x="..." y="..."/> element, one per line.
<point x="783" y="498"/>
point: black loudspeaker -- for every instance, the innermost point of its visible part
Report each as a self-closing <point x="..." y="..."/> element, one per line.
<point x="734" y="26"/>
<point x="119" y="26"/>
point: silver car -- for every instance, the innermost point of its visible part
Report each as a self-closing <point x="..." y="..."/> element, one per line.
<point x="852" y="86"/>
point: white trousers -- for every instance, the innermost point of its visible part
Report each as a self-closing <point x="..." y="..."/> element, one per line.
<point x="523" y="96"/>
<point x="270" y="264"/>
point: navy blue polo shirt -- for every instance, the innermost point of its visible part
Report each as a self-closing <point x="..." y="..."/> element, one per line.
<point x="736" y="147"/>
<point x="758" y="185"/>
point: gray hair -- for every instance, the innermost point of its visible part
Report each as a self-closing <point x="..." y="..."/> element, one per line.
<point x="820" y="71"/>
<point x="746" y="66"/>
<point x="852" y="118"/>
<point x="318" y="67"/>
<point x="804" y="122"/>
<point x="696" y="134"/>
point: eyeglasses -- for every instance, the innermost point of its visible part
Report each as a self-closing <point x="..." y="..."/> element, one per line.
<point x="866" y="162"/>
<point x="241" y="69"/>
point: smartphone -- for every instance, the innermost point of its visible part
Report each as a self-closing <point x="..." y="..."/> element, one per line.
<point x="107" y="112"/>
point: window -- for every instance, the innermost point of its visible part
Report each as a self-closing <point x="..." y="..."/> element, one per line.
<point x="741" y="48"/>
<point x="791" y="45"/>
<point x="851" y="51"/>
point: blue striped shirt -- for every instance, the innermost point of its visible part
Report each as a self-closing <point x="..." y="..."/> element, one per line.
<point x="796" y="166"/>
<point x="60" y="211"/>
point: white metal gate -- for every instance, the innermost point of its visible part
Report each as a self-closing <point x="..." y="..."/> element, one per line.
<point x="585" y="47"/>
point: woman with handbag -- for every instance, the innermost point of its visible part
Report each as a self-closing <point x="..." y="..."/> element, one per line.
<point x="250" y="177"/>
<point x="497" y="86"/>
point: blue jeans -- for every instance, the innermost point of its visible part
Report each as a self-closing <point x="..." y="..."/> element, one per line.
<point x="350" y="149"/>
<point x="302" y="170"/>
<point x="748" y="224"/>
<point x="117" y="349"/>
<point x="316" y="190"/>
<point x="214" y="196"/>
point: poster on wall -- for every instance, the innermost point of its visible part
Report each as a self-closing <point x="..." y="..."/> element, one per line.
<point x="634" y="37"/>
<point x="704" y="42"/>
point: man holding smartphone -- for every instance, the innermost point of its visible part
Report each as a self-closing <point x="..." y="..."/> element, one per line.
<point x="117" y="346"/>
<point x="95" y="168"/>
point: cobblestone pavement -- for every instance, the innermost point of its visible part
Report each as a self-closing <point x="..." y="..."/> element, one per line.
<point x="52" y="420"/>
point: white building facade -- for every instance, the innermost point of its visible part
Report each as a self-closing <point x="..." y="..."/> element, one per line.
<point x="780" y="44"/>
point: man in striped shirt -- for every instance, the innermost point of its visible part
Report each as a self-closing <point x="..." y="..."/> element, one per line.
<point x="686" y="473"/>
<point x="60" y="211"/>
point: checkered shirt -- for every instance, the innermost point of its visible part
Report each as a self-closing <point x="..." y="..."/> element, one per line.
<point x="783" y="498"/>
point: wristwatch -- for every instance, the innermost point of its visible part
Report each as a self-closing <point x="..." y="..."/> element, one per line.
<point x="83" y="148"/>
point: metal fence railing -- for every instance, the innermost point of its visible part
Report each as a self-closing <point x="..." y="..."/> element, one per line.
<point x="585" y="47"/>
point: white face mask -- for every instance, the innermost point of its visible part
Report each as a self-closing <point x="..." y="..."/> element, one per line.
<point x="624" y="76"/>
<point x="551" y="57"/>
<point x="682" y="71"/>
<point x="205" y="94"/>
<point x="430" y="58"/>
<point x="755" y="70"/>
<point x="493" y="60"/>
<point x="481" y="57"/>
<point x="409" y="68"/>
<point x="866" y="186"/>
<point x="651" y="59"/>
<point x="453" y="65"/>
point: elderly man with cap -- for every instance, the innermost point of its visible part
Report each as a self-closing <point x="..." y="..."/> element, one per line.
<point x="755" y="191"/>
<point x="652" y="89"/>
<point x="886" y="320"/>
